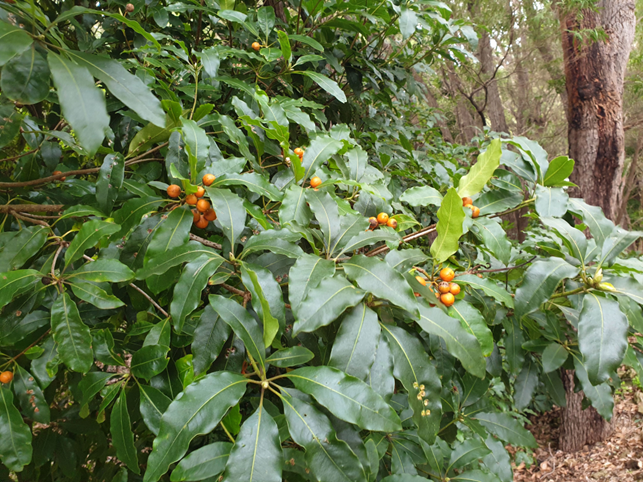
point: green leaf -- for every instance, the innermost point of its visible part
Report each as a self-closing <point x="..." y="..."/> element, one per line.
<point x="326" y="84"/>
<point x="554" y="387"/>
<point x="187" y="291"/>
<point x="461" y="344"/>
<point x="368" y="238"/>
<point x="573" y="238"/>
<point x="506" y="428"/>
<point x="602" y="337"/>
<point x="210" y="335"/>
<point x="206" y="462"/>
<point x="403" y="478"/>
<point x="17" y="282"/>
<point x="15" y="435"/>
<point x="451" y="216"/>
<point x="82" y="103"/>
<point x="294" y="207"/>
<point x="269" y="302"/>
<point x="560" y="168"/>
<point x="149" y="361"/>
<point x="25" y="78"/>
<point x="377" y="277"/>
<point x="618" y="240"/>
<point x="553" y="357"/>
<point x="290" y="357"/>
<point x="266" y="19"/>
<point x="275" y="241"/>
<point x="489" y="287"/>
<point x="320" y="150"/>
<point x="14" y="41"/>
<point x="110" y="181"/>
<point x="473" y="182"/>
<point x="197" y="145"/>
<point x="254" y="181"/>
<point x="540" y="282"/>
<point x="32" y="401"/>
<point x="256" y="454"/>
<point x="196" y="411"/>
<point x="408" y="22"/>
<point x="525" y="386"/>
<point x="356" y="342"/>
<point x="350" y="225"/>
<point x="305" y="275"/>
<point x="411" y="365"/>
<point x="152" y="134"/>
<point x="244" y="325"/>
<point x="473" y="322"/>
<point x="475" y="476"/>
<point x="102" y="270"/>
<point x="599" y="395"/>
<point x="127" y="88"/>
<point x="91" y="384"/>
<point x="173" y="257"/>
<point x="21" y="247"/>
<point x="96" y="295"/>
<point x="10" y="121"/>
<point x="422" y="196"/>
<point x="308" y="41"/>
<point x="153" y="405"/>
<point x="230" y="212"/>
<point x="132" y="212"/>
<point x="122" y="436"/>
<point x="347" y="397"/>
<point x="284" y="43"/>
<point x="380" y="377"/>
<point x="551" y="201"/>
<point x="513" y="345"/>
<point x="494" y="238"/>
<point x="88" y="236"/>
<point x="14" y="329"/>
<point x="466" y="452"/>
<point x="498" y="460"/>
<point x="71" y="334"/>
<point x="324" y="303"/>
<point x="327" y="457"/>
<point x="499" y="200"/>
<point x="593" y="217"/>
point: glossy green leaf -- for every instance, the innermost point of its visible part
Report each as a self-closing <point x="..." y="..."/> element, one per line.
<point x="153" y="405"/>
<point x="254" y="181"/>
<point x="96" y="295"/>
<point x="553" y="357"/>
<point x="498" y="460"/>
<point x="25" y="78"/>
<point x="14" y="41"/>
<point x="602" y="337"/>
<point x="488" y="161"/>
<point x="554" y="387"/>
<point x="327" y="84"/>
<point x="593" y="217"/>
<point x="618" y="240"/>
<point x="16" y="328"/>
<point x="15" y="435"/>
<point x="319" y="151"/>
<point x="368" y="238"/>
<point x="460" y="343"/>
<point x="290" y="357"/>
<point x="210" y="335"/>
<point x="149" y="361"/>
<point x="256" y="454"/>
<point x="324" y="303"/>
<point x="21" y="247"/>
<point x="10" y="121"/>
<point x="411" y="365"/>
<point x="496" y="201"/>
<point x="102" y="270"/>
<point x="475" y="476"/>
<point x="525" y="386"/>
<point x="574" y="239"/>
<point x="540" y="282"/>
<point x="275" y="241"/>
<point x="88" y="236"/>
<point x="466" y="452"/>
<point x="493" y="237"/>
<point x="231" y="214"/>
<point x="377" y="277"/>
<point x="91" y="384"/>
<point x="197" y="145"/>
<point x="268" y="299"/>
<point x="71" y="334"/>
<point x="422" y="196"/>
<point x="132" y="211"/>
<point x="244" y="325"/>
<point x="450" y="218"/>
<point x="32" y="401"/>
<point x="506" y="428"/>
<point x="305" y="275"/>
<point x="346" y="397"/>
<point x="380" y="377"/>
<point x="187" y="291"/>
<point x="327" y="457"/>
<point x="560" y="168"/>
<point x="196" y="411"/>
<point x="122" y="436"/>
<point x="82" y="103"/>
<point x="185" y="253"/>
<point x="16" y="282"/>
<point x="551" y="201"/>
<point x="356" y="342"/>
<point x="403" y="478"/>
<point x="205" y="462"/>
<point x="110" y="181"/>
<point x="472" y="321"/>
<point x="152" y="134"/>
<point x="294" y="207"/>
<point x="489" y="287"/>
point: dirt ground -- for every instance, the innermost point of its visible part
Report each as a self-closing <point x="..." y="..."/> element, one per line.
<point x="620" y="458"/>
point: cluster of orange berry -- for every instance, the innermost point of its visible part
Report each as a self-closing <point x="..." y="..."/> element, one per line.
<point x="447" y="291"/>
<point x="61" y="179"/>
<point x="299" y="152"/>
<point x="203" y="213"/>
<point x="6" y="377"/>
<point x="467" y="202"/>
<point x="381" y="219"/>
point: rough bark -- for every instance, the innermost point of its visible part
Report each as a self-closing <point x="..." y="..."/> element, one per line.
<point x="594" y="76"/>
<point x="579" y="427"/>
<point x="466" y="123"/>
<point x="495" y="109"/>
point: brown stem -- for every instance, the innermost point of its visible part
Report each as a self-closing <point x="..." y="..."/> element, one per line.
<point x="9" y="159"/>
<point x="28" y="219"/>
<point x="205" y="242"/>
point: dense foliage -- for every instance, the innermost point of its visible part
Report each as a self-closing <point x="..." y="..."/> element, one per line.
<point x="287" y="339"/>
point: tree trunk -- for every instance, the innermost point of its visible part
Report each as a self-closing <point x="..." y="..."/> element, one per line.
<point x="433" y="103"/>
<point x="495" y="108"/>
<point x="466" y="124"/>
<point x="594" y="75"/>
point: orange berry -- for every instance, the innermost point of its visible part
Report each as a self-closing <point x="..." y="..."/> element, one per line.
<point x="210" y="215"/>
<point x="392" y="223"/>
<point x="256" y="46"/>
<point x="417" y="295"/>
<point x="466" y="200"/>
<point x="173" y="190"/>
<point x="315" y="182"/>
<point x="200" y="191"/>
<point x="447" y="274"/>
<point x="129" y="8"/>
<point x="421" y="280"/>
<point x="202" y="223"/>
<point x="475" y="211"/>
<point x="196" y="216"/>
<point x="299" y="151"/>
<point x="208" y="179"/>
<point x="454" y="289"/>
<point x="59" y="172"/>
<point x="447" y="299"/>
<point x="373" y="223"/>
<point x="202" y="205"/>
<point x="444" y="287"/>
<point x="6" y="377"/>
<point x="191" y="199"/>
<point x="382" y="218"/>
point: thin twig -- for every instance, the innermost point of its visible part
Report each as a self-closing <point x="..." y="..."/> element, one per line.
<point x="9" y="159"/>
<point x="32" y="208"/>
<point x="28" y="220"/>
<point x="53" y="263"/>
<point x="205" y="242"/>
<point x="234" y="290"/>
